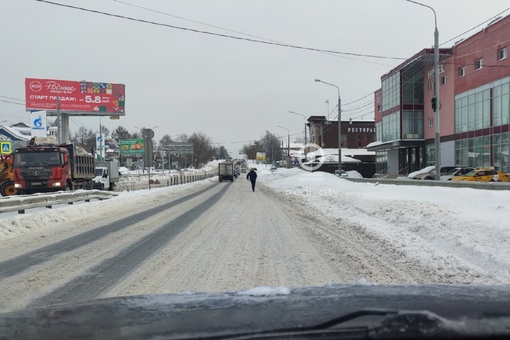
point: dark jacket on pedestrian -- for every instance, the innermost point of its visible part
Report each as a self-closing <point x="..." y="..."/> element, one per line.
<point x="252" y="175"/>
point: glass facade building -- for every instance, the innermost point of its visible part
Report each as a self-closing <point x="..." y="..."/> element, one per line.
<point x="400" y="129"/>
<point x="482" y="124"/>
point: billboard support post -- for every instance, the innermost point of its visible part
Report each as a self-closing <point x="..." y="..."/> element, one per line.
<point x="59" y="129"/>
<point x="65" y="127"/>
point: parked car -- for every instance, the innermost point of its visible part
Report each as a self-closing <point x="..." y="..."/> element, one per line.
<point x="488" y="174"/>
<point x="460" y="171"/>
<point x="429" y="172"/>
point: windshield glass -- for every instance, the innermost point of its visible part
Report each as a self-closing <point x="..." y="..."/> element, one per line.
<point x="471" y="173"/>
<point x="251" y="148"/>
<point x="37" y="158"/>
<point x="453" y="171"/>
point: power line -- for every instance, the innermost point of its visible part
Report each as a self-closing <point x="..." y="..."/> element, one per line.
<point x="475" y="27"/>
<point x="191" y="20"/>
<point x="234" y="31"/>
<point x="357" y="100"/>
<point x="11" y="102"/>
<point x="219" y="34"/>
<point x="21" y="100"/>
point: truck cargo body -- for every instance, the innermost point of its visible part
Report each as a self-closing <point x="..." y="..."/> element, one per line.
<point x="43" y="168"/>
<point x="107" y="175"/>
<point x="226" y="171"/>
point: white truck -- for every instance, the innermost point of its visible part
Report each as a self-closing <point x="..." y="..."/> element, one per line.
<point x="226" y="171"/>
<point x="107" y="175"/>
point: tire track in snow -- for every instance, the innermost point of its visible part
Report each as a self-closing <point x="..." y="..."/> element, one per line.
<point x="107" y="274"/>
<point x="23" y="262"/>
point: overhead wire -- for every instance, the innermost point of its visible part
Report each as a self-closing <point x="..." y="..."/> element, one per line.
<point x="475" y="27"/>
<point x="218" y="34"/>
<point x="235" y="31"/>
<point x="11" y="102"/>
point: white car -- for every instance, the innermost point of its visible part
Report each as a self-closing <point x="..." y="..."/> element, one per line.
<point x="429" y="172"/>
<point x="460" y="171"/>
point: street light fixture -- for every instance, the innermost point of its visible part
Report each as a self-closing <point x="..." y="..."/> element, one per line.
<point x="300" y="114"/>
<point x="339" y="124"/>
<point x="437" y="143"/>
<point x="288" y="145"/>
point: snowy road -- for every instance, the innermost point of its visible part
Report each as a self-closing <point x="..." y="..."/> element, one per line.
<point x="209" y="237"/>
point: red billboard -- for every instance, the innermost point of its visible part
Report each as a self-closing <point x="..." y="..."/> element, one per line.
<point x="75" y="96"/>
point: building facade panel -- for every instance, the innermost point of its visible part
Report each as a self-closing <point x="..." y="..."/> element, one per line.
<point x="484" y="47"/>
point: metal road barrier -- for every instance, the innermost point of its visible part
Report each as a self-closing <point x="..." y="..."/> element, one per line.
<point x="21" y="203"/>
<point x="433" y="183"/>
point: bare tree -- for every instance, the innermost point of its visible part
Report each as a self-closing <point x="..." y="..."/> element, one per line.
<point x="86" y="138"/>
<point x="203" y="150"/>
<point x="250" y="150"/>
<point x="270" y="145"/>
<point x="221" y="152"/>
<point x="120" y="133"/>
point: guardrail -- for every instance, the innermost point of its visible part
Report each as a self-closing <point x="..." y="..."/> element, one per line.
<point x="434" y="183"/>
<point x="48" y="200"/>
<point x="141" y="181"/>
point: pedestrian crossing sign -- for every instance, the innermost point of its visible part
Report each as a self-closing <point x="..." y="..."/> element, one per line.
<point x="6" y="147"/>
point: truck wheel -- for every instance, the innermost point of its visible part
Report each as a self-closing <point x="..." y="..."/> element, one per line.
<point x="8" y="189"/>
<point x="69" y="186"/>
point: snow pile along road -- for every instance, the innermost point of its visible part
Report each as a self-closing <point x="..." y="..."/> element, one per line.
<point x="457" y="231"/>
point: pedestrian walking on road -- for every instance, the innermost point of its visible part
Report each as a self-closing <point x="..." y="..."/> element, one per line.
<point x="252" y="176"/>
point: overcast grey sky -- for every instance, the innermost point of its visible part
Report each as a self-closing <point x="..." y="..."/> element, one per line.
<point x="232" y="90"/>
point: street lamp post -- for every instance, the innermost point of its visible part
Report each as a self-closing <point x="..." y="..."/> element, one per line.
<point x="339" y="125"/>
<point x="288" y="145"/>
<point x="437" y="143"/>
<point x="300" y="114"/>
<point x="101" y="152"/>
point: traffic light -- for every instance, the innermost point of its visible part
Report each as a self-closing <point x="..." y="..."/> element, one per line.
<point x="434" y="103"/>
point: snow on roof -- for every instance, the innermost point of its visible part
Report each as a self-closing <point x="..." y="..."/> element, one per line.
<point x="345" y="151"/>
<point x="334" y="159"/>
<point x="14" y="132"/>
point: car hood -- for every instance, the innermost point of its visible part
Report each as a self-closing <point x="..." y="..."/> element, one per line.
<point x="270" y="311"/>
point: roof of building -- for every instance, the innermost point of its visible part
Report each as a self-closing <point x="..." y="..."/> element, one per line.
<point x="425" y="55"/>
<point x="13" y="134"/>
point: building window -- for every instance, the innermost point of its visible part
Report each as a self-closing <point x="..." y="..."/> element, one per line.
<point x="344" y="141"/>
<point x="502" y="54"/>
<point x="444" y="80"/>
<point x="478" y="64"/>
<point x="431" y="86"/>
<point x="361" y="141"/>
<point x="391" y="91"/>
<point x="473" y="152"/>
<point x="462" y="71"/>
<point x="412" y="124"/>
<point x="390" y="129"/>
<point x="473" y="110"/>
<point x="431" y="121"/>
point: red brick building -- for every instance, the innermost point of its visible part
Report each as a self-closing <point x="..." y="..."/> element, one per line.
<point x="355" y="134"/>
